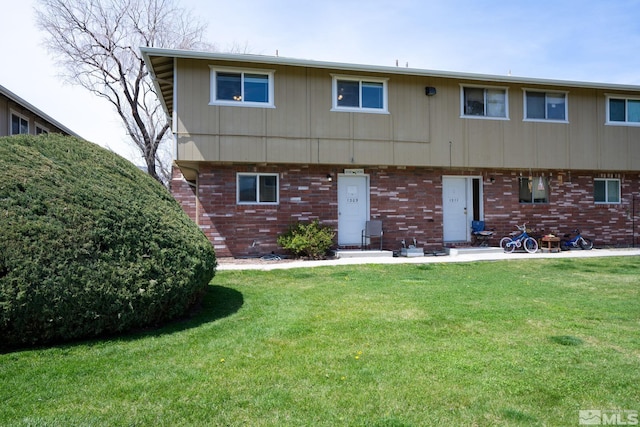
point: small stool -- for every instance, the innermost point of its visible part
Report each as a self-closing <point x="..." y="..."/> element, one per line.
<point x="553" y="243"/>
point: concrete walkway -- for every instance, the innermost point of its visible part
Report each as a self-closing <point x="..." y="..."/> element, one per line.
<point x="259" y="264"/>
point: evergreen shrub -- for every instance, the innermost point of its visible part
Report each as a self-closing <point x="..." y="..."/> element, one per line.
<point x="89" y="244"/>
<point x="311" y="240"/>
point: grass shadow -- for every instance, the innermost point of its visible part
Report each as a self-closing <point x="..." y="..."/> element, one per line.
<point x="219" y="302"/>
<point x="216" y="303"/>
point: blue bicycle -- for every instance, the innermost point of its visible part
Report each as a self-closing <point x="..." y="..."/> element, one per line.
<point x="576" y="242"/>
<point x="522" y="240"/>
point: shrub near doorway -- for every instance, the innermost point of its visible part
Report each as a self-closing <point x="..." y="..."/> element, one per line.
<point x="90" y="245"/>
<point x="310" y="240"/>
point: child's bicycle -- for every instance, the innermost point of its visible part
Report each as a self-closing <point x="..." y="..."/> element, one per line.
<point x="523" y="240"/>
<point x="576" y="242"/>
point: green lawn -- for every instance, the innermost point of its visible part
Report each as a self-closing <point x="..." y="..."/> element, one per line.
<point x="478" y="344"/>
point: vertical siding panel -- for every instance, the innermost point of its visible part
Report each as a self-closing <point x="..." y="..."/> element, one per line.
<point x="290" y="117"/>
<point x="614" y="149"/>
<point x="409" y="107"/>
<point x="551" y="143"/>
<point x="584" y="130"/>
<point x="447" y="125"/>
<point x="485" y="142"/>
<point x="324" y="122"/>
<point x="4" y="116"/>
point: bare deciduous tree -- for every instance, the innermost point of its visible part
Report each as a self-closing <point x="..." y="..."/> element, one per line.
<point x="96" y="43"/>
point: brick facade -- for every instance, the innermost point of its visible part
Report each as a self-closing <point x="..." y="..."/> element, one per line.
<point x="408" y="200"/>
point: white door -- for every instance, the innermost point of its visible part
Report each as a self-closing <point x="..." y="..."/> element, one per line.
<point x="455" y="197"/>
<point x="353" y="208"/>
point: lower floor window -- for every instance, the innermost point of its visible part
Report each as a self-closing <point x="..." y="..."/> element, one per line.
<point x="606" y="190"/>
<point x="257" y="188"/>
<point x="534" y="190"/>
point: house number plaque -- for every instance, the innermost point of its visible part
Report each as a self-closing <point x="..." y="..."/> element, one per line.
<point x="354" y="171"/>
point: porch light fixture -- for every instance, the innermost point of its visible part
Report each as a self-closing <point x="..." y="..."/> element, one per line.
<point x="329" y="177"/>
<point x="430" y="91"/>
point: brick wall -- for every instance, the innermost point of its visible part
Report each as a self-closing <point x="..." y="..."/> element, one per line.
<point x="408" y="200"/>
<point x="571" y="205"/>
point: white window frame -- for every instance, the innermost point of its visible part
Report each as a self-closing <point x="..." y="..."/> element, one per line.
<point x="360" y="79"/>
<point x="463" y="113"/>
<point x="242" y="71"/>
<point x="21" y="117"/>
<point x="257" y="177"/>
<point x="606" y="191"/>
<point x="546" y="92"/>
<point x="625" y="98"/>
<point x="43" y="129"/>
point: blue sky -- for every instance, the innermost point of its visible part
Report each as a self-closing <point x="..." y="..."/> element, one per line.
<point x="566" y="40"/>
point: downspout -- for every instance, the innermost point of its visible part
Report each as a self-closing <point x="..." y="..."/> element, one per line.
<point x="633" y="220"/>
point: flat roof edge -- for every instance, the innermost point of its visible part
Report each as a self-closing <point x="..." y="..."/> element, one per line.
<point x="278" y="60"/>
<point x="18" y="100"/>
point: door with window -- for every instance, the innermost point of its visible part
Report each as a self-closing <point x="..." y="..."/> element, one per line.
<point x="353" y="208"/>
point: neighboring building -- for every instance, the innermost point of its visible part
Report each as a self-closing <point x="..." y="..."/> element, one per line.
<point x="263" y="142"/>
<point x="22" y="117"/>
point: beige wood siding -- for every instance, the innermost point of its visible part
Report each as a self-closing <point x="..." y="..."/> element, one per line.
<point x="9" y="106"/>
<point x="409" y="108"/>
<point x="4" y="116"/>
<point x="418" y="130"/>
<point x="586" y="127"/>
<point x="614" y="152"/>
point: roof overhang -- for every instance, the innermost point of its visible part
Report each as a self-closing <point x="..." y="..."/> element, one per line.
<point x="161" y="67"/>
<point x="161" y="64"/>
<point x="26" y="105"/>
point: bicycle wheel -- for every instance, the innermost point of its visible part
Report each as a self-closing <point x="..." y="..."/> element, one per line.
<point x="530" y="245"/>
<point x="586" y="244"/>
<point x="503" y="243"/>
<point x="510" y="246"/>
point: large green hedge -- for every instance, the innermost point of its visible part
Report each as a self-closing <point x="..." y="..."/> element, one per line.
<point x="89" y="244"/>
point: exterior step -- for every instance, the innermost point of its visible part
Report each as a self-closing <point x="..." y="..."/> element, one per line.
<point x="474" y="250"/>
<point x="357" y="253"/>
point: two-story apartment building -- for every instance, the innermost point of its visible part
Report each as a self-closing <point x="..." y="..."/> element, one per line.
<point x="23" y="117"/>
<point x="262" y="142"/>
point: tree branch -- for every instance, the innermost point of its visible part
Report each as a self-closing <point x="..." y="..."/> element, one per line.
<point x="97" y="42"/>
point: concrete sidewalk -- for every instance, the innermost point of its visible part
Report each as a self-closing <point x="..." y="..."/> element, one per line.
<point x="265" y="265"/>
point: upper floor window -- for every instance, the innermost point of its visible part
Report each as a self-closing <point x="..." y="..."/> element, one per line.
<point x="241" y="87"/>
<point x="40" y="130"/>
<point x="359" y="94"/>
<point x="545" y="105"/>
<point x="257" y="188"/>
<point x="19" y="124"/>
<point x="606" y="190"/>
<point x="484" y="102"/>
<point x="621" y="110"/>
<point x="534" y="190"/>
